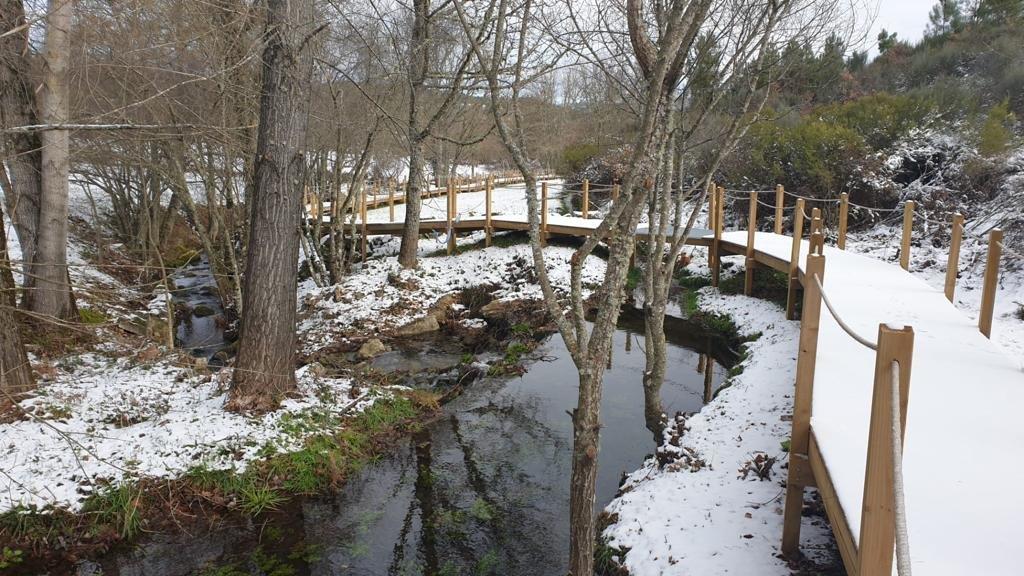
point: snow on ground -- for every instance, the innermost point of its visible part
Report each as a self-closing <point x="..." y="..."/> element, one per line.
<point x="708" y="519"/>
<point x="380" y="295"/>
<point x="111" y="419"/>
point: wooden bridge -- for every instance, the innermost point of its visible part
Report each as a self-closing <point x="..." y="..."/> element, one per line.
<point x="954" y="502"/>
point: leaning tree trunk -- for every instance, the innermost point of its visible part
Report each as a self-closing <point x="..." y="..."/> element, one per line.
<point x="50" y="291"/>
<point x="265" y="369"/>
<point x="21" y="151"/>
<point x="15" y="372"/>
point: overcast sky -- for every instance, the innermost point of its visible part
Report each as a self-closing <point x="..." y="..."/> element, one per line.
<point x="907" y="18"/>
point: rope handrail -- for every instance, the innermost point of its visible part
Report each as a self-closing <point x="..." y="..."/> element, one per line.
<point x="899" y="503"/>
<point x="846" y="328"/>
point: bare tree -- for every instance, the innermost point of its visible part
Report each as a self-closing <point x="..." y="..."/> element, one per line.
<point x="660" y="62"/>
<point x="419" y="130"/>
<point x="48" y="287"/>
<point x="726" y="83"/>
<point x="15" y="372"/>
<point x="265" y="369"/>
<point x="21" y="151"/>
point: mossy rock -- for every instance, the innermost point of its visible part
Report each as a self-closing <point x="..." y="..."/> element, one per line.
<point x="202" y="311"/>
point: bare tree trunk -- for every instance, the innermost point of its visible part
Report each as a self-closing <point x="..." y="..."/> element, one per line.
<point x="407" y="253"/>
<point x="265" y="369"/>
<point x="15" y="371"/>
<point x="50" y="293"/>
<point x="418" y="63"/>
<point x="17" y="108"/>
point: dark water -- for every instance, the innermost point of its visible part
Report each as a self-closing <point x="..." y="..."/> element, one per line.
<point x="483" y="490"/>
<point x="200" y="321"/>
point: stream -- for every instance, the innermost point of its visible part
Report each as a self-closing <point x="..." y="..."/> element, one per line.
<point x="481" y="490"/>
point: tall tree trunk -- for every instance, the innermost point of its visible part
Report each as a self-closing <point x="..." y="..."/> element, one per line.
<point x="418" y="63"/>
<point x="15" y="372"/>
<point x="265" y="369"/>
<point x="407" y="254"/>
<point x="21" y="151"/>
<point x="50" y="293"/>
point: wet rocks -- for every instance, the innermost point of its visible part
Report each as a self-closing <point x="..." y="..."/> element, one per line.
<point x="370" y="348"/>
<point x="418" y="327"/>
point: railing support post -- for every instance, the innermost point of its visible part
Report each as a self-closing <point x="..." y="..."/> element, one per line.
<point x="799" y="443"/>
<point x="878" y="520"/>
<point x="362" y="216"/>
<point x="451" y="213"/>
<point x="615" y="192"/>
<point x="816" y="222"/>
<point x="748" y="278"/>
<point x="794" y="258"/>
<point x="488" y="190"/>
<point x="391" y="201"/>
<point x="953" y="264"/>
<point x="780" y="203"/>
<point x="586" y="198"/>
<point x="988" y="291"/>
<point x="719" y="224"/>
<point x="543" y="213"/>
<point x="712" y="217"/>
<point x="908" y="227"/>
<point x="844" y="214"/>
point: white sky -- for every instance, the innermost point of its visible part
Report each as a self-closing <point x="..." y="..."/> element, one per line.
<point x="908" y="18"/>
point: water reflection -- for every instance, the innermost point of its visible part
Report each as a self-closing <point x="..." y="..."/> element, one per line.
<point x="484" y="489"/>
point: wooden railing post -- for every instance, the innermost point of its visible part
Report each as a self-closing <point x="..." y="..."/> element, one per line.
<point x="953" y="263"/>
<point x="391" y="201"/>
<point x="878" y="520"/>
<point x="615" y="192"/>
<point x="780" y="203"/>
<point x="908" y="227"/>
<point x="543" y="213"/>
<point x="816" y="221"/>
<point x="799" y="441"/>
<point x="451" y="215"/>
<point x="488" y="190"/>
<point x="748" y="279"/>
<point x="362" y="216"/>
<point x="716" y="272"/>
<point x="586" y="198"/>
<point x="844" y="214"/>
<point x="988" y="291"/>
<point x="794" y="258"/>
<point x="712" y="217"/>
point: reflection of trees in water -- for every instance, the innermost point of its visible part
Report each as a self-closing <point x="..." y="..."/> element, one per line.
<point x="475" y="516"/>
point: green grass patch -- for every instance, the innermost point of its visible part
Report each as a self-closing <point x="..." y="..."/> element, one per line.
<point x="91" y="316"/>
<point x="117" y="506"/>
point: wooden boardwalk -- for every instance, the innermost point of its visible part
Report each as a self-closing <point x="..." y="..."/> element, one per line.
<point x="887" y="352"/>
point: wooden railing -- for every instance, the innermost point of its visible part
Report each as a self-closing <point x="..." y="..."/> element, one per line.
<point x="716" y="219"/>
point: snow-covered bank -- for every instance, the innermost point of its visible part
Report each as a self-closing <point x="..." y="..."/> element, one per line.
<point x="380" y="295"/>
<point x="105" y="420"/>
<point x="702" y="514"/>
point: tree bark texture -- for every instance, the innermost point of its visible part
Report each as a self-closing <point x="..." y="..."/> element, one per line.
<point x="265" y="369"/>
<point x="418" y="62"/>
<point x="15" y="371"/>
<point x="21" y="151"/>
<point x="50" y="291"/>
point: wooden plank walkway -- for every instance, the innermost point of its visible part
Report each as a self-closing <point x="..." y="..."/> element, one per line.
<point x="964" y="500"/>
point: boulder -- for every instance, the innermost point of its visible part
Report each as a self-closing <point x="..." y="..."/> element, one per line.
<point x="370" y="348"/>
<point x="495" y="309"/>
<point x="422" y="326"/>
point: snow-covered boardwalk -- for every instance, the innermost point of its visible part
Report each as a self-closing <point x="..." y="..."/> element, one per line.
<point x="963" y="431"/>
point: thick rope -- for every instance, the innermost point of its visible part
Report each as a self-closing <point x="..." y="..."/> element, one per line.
<point x="843" y="325"/>
<point x="899" y="505"/>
